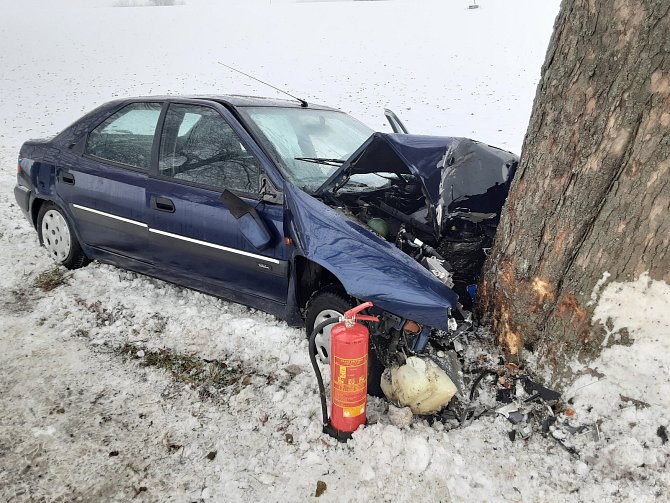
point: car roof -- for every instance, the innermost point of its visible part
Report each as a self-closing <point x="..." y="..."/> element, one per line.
<point x="234" y="100"/>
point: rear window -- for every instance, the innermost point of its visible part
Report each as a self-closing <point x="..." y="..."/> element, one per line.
<point x="127" y="136"/>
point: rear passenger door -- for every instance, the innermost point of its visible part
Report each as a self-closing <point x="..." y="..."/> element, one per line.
<point x="105" y="188"/>
<point x="195" y="236"/>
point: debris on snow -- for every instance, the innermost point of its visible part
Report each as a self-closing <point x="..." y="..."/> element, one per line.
<point x="320" y="488"/>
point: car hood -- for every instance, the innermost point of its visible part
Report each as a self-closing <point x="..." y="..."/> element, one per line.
<point x="368" y="267"/>
<point x="458" y="175"/>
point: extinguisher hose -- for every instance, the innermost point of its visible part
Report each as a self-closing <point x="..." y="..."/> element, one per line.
<point x="317" y="371"/>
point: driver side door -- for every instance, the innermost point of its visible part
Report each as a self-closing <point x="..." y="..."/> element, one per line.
<point x="203" y="165"/>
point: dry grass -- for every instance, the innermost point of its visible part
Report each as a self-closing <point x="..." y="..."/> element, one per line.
<point x="48" y="280"/>
<point x="208" y="377"/>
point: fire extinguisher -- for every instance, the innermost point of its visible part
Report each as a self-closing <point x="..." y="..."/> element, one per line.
<point x="349" y="342"/>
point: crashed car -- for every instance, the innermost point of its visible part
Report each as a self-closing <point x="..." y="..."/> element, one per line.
<point x="292" y="208"/>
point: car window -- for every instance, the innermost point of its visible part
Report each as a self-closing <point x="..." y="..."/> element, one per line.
<point x="199" y="146"/>
<point x="127" y="136"/>
<point x="299" y="133"/>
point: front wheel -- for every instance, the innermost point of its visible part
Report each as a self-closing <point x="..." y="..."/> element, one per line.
<point x="57" y="237"/>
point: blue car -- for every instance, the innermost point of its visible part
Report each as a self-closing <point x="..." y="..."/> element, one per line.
<point x="292" y="208"/>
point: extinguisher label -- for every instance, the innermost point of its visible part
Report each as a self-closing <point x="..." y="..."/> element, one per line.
<point x="353" y="411"/>
<point x="350" y="384"/>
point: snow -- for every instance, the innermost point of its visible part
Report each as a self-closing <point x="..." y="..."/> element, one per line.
<point x="640" y="307"/>
<point x="79" y="420"/>
<point x="636" y="369"/>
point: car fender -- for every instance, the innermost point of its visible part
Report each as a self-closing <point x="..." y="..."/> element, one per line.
<point x="43" y="174"/>
<point x="368" y="267"/>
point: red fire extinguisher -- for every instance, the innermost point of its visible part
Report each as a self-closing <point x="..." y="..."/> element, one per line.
<point x="349" y="342"/>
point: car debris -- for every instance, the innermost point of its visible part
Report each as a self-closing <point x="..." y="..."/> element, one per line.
<point x="419" y="384"/>
<point x="511" y="392"/>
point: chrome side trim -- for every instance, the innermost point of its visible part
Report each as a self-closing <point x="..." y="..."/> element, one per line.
<point x="178" y="236"/>
<point x="109" y="215"/>
<point x="212" y="245"/>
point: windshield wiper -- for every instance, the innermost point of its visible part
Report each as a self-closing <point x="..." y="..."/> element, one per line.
<point x="321" y="160"/>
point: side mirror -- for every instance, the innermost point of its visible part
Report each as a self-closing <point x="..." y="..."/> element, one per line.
<point x="252" y="226"/>
<point x="254" y="230"/>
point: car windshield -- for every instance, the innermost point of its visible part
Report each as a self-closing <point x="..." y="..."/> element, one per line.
<point x="311" y="144"/>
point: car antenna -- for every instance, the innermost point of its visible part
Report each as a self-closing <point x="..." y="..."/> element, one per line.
<point x="303" y="103"/>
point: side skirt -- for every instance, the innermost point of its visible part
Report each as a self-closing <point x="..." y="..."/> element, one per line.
<point x="266" y="305"/>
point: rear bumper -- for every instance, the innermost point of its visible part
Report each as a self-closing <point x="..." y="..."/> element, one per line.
<point x="22" y="196"/>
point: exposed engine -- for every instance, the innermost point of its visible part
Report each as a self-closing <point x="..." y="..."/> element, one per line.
<point x="399" y="213"/>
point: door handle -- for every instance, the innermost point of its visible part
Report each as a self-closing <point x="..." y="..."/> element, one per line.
<point x="67" y="178"/>
<point x="162" y="204"/>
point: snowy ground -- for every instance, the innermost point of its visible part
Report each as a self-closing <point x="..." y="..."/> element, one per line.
<point x="80" y="420"/>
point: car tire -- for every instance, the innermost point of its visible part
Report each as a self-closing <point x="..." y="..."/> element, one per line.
<point x="326" y="303"/>
<point x="329" y="302"/>
<point x="55" y="234"/>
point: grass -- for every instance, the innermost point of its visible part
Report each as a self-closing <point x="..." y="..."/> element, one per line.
<point x="204" y="375"/>
<point x="48" y="280"/>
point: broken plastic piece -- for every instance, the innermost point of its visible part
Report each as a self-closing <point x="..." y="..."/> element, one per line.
<point x="506" y="409"/>
<point x="448" y="361"/>
<point x="516" y="417"/>
<point x="526" y="432"/>
<point x="504" y="395"/>
<point x="546" y="394"/>
<point x="453" y="324"/>
<point x="575" y="430"/>
<point x="419" y="384"/>
<point x="547" y="423"/>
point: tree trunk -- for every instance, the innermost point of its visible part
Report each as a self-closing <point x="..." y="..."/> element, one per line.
<point x="592" y="193"/>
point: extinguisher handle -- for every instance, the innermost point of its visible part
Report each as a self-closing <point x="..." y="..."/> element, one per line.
<point x="352" y="314"/>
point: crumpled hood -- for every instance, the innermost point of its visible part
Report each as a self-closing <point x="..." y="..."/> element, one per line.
<point x="368" y="267"/>
<point x="456" y="173"/>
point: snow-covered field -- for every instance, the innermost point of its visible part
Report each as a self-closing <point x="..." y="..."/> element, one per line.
<point x="80" y="420"/>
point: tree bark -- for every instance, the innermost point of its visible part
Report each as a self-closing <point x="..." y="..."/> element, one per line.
<point x="591" y="195"/>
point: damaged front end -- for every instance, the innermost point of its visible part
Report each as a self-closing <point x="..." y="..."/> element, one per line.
<point x="422" y="365"/>
<point x="439" y="202"/>
<point x="406" y="222"/>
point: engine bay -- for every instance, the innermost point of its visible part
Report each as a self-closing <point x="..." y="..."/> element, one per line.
<point x="454" y="249"/>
